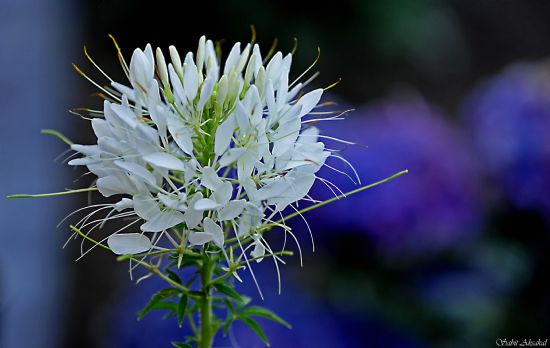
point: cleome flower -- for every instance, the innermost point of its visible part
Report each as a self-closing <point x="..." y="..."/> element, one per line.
<point x="204" y="148"/>
<point x="201" y="159"/>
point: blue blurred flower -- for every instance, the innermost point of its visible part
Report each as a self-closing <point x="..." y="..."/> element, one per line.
<point x="433" y="207"/>
<point x="509" y="121"/>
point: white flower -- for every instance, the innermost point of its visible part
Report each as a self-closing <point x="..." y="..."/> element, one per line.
<point x="203" y="153"/>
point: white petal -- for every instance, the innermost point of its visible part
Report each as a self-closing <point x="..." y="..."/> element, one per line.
<point x="271" y="104"/>
<point x="198" y="238"/>
<point x="231" y="156"/>
<point x="137" y="170"/>
<point x="88" y="150"/>
<point x="206" y="91"/>
<point x="192" y="216"/>
<point x="232" y="58"/>
<point x="232" y="210"/>
<point x="101" y="128"/>
<point x="243" y="117"/>
<point x="222" y="193"/>
<point x="181" y="133"/>
<point x="190" y="78"/>
<point x="245" y="164"/>
<point x="282" y="90"/>
<point x="223" y="135"/>
<point x="84" y="161"/>
<point x="145" y="206"/>
<point x="114" y="184"/>
<point x="129" y="243"/>
<point x="173" y="201"/>
<point x="259" y="250"/>
<point x="176" y="83"/>
<point x="286" y="136"/>
<point x="158" y="115"/>
<point x="210" y="178"/>
<point x="215" y="231"/>
<point x="274" y="189"/>
<point x="164" y="160"/>
<point x="309" y="135"/>
<point x="129" y="92"/>
<point x="124" y="203"/>
<point x="146" y="134"/>
<point x="205" y="204"/>
<point x="163" y="221"/>
<point x="294" y="91"/>
<point x="273" y="68"/>
<point x="309" y="101"/>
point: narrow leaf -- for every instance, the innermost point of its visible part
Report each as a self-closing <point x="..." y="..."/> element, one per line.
<point x="225" y="289"/>
<point x="182" y="305"/>
<point x="253" y="324"/>
<point x="156" y="301"/>
<point x="174" y="276"/>
<point x="265" y="313"/>
<point x="181" y="345"/>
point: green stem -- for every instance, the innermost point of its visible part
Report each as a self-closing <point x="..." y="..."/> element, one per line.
<point x="206" y="338"/>
<point x="69" y="192"/>
<point x="318" y="205"/>
<point x="57" y="135"/>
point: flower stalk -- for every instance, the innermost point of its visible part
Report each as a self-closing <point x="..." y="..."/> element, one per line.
<point x="206" y="322"/>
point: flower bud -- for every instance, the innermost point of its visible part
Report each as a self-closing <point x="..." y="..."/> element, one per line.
<point x="222" y="93"/>
<point x="176" y="60"/>
<point x="161" y="66"/>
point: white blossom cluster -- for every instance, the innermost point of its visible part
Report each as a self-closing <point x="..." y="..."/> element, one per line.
<point x="205" y="147"/>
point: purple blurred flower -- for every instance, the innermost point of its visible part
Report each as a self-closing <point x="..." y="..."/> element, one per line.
<point x="509" y="121"/>
<point x="433" y="207"/>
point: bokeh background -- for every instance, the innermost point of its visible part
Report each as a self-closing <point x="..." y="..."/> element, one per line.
<point x="454" y="254"/>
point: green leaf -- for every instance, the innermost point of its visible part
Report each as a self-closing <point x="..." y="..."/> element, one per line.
<point x="190" y="282"/>
<point x="227" y="323"/>
<point x="182" y="305"/>
<point x="195" y="293"/>
<point x="156" y="301"/>
<point x="174" y="276"/>
<point x="181" y="345"/>
<point x="224" y="288"/>
<point x="253" y="324"/>
<point x="265" y="313"/>
<point x="168" y="292"/>
<point x="229" y="305"/>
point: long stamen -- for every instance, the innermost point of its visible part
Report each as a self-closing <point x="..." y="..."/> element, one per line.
<point x="121" y="57"/>
<point x="97" y="67"/>
<point x="308" y="69"/>
<point x="78" y="70"/>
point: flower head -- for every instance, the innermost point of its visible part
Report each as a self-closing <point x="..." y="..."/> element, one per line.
<point x="203" y="146"/>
